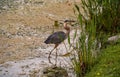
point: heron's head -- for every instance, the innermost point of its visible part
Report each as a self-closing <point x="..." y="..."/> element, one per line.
<point x="66" y="27"/>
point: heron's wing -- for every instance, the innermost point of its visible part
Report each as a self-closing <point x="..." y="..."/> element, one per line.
<point x="56" y="38"/>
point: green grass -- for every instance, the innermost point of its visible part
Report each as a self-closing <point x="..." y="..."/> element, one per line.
<point x="98" y="21"/>
<point x="108" y="63"/>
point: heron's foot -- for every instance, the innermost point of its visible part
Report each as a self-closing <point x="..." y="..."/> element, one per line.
<point x="66" y="54"/>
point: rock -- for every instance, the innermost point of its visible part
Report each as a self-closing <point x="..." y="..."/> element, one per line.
<point x="112" y="40"/>
<point x="54" y="72"/>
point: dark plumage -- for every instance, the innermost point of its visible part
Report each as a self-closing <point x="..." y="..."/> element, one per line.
<point x="56" y="38"/>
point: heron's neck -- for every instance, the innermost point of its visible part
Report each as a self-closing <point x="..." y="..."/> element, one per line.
<point x="67" y="29"/>
<point x="67" y="32"/>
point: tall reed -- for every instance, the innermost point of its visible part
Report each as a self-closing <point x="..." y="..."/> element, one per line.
<point x="98" y="18"/>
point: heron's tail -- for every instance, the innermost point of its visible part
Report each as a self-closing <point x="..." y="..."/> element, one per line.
<point x="47" y="41"/>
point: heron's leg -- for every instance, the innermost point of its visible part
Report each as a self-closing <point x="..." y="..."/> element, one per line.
<point x="56" y="57"/>
<point x="51" y="52"/>
<point x="67" y="53"/>
<point x="49" y="55"/>
<point x="65" y="46"/>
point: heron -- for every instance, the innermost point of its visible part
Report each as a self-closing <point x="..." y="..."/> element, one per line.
<point x="57" y="38"/>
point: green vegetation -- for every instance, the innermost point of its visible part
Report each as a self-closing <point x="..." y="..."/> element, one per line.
<point x="108" y="63"/>
<point x="99" y="20"/>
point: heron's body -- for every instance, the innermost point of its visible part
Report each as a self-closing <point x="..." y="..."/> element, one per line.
<point x="56" y="38"/>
